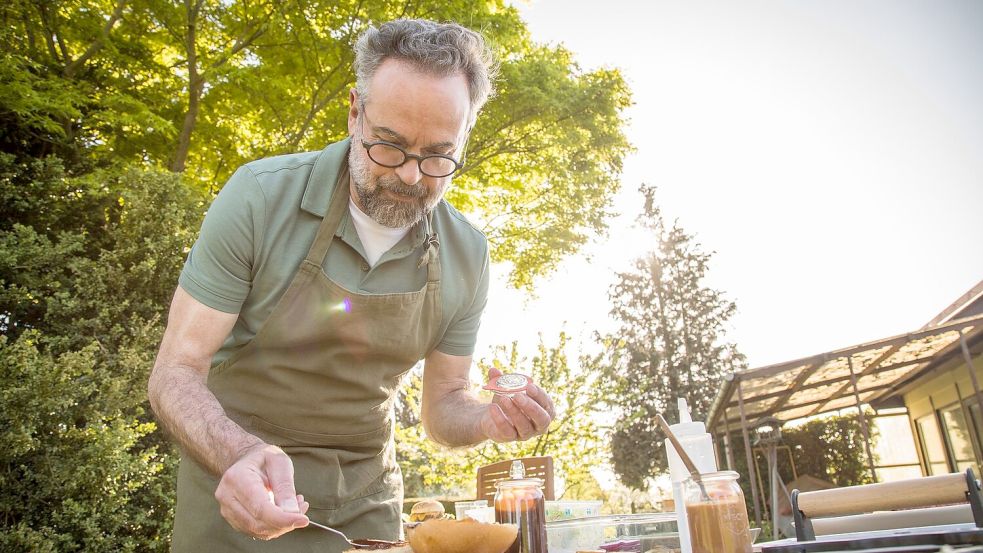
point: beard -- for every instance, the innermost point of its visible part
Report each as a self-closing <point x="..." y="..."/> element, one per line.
<point x="415" y="200"/>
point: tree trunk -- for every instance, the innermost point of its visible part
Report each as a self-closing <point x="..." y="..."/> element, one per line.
<point x="196" y="84"/>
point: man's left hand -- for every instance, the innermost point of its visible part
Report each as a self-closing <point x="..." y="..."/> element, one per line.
<point x="519" y="417"/>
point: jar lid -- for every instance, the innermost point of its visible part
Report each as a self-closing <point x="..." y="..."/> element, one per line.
<point x="508" y="384"/>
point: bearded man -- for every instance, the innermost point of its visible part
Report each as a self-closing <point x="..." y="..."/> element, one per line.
<point x="317" y="281"/>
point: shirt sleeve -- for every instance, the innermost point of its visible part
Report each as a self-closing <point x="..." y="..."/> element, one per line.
<point x="219" y="269"/>
<point x="462" y="334"/>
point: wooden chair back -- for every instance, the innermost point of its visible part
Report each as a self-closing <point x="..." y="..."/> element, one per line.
<point x="536" y="467"/>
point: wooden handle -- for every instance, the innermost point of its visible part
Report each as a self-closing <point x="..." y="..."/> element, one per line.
<point x="690" y="465"/>
<point x="902" y="494"/>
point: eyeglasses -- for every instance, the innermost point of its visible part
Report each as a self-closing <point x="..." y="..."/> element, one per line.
<point x="392" y="155"/>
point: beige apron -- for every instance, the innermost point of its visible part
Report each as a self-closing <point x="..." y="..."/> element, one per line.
<point x="319" y="380"/>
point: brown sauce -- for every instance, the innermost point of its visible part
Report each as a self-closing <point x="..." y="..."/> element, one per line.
<point x="719" y="526"/>
<point x="378" y="544"/>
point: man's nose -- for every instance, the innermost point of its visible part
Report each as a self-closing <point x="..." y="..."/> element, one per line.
<point x="409" y="172"/>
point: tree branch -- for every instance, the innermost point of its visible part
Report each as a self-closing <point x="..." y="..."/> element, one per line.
<point x="96" y="44"/>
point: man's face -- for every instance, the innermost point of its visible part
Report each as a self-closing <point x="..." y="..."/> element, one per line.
<point x="421" y="113"/>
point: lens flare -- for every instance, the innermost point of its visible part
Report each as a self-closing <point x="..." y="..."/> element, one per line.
<point x="344" y="305"/>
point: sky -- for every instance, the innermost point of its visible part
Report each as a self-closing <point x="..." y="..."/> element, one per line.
<point x="830" y="154"/>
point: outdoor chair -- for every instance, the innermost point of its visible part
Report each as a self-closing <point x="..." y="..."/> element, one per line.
<point x="536" y="467"/>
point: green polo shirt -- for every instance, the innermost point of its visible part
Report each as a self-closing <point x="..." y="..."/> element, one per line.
<point x="262" y="224"/>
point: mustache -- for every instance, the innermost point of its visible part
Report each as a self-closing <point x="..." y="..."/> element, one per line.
<point x="399" y="187"/>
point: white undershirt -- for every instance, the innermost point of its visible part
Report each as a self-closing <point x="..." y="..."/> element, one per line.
<point x="376" y="238"/>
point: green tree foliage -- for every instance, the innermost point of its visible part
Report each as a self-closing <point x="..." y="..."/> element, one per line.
<point x="86" y="266"/>
<point x="97" y="97"/>
<point x="203" y="86"/>
<point x="574" y="439"/>
<point x="669" y="344"/>
<point x="829" y="448"/>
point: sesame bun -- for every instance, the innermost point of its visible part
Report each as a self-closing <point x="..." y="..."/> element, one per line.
<point x="426" y="510"/>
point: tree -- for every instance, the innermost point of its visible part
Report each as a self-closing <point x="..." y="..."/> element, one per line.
<point x="203" y="86"/>
<point x="118" y="117"/>
<point x="669" y="344"/>
<point x="831" y="448"/>
<point x="574" y="439"/>
<point x="87" y="265"/>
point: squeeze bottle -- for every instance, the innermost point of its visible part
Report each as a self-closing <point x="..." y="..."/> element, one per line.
<point x="699" y="446"/>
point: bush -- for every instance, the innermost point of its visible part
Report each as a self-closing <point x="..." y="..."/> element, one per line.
<point x="87" y="267"/>
<point x="830" y="448"/>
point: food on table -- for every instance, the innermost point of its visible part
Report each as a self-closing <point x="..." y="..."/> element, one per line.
<point x="508" y="384"/>
<point x="426" y="510"/>
<point x="442" y="535"/>
<point x="462" y="536"/>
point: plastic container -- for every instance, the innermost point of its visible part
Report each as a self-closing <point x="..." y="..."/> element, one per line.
<point x="481" y="514"/>
<point x="462" y="507"/>
<point x="565" y="510"/>
<point x="717" y="514"/>
<point x="699" y="446"/>
<point x="637" y="532"/>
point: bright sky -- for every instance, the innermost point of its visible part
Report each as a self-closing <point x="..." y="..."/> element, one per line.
<point x="830" y="153"/>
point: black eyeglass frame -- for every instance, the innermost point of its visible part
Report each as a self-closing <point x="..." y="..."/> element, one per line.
<point x="458" y="165"/>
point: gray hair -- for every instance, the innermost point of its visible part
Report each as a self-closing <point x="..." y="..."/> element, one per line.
<point x="437" y="48"/>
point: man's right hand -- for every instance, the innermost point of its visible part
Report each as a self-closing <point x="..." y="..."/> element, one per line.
<point x="244" y="494"/>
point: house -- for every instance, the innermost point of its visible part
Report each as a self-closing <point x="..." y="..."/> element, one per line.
<point x="929" y="378"/>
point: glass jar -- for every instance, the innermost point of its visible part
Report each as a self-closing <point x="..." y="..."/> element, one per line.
<point x="717" y="514"/>
<point x="520" y="501"/>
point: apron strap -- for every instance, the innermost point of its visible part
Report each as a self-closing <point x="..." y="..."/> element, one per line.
<point x="331" y="220"/>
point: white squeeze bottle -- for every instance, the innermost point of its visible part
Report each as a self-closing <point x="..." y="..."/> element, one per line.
<point x="699" y="446"/>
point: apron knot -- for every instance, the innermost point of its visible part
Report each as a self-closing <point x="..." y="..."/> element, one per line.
<point x="432" y="243"/>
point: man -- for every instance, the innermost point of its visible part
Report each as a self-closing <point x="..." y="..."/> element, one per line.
<point x="318" y="280"/>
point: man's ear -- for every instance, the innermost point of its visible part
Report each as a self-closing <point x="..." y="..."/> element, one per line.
<point x="353" y="107"/>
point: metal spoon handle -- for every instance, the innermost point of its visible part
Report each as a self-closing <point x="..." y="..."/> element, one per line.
<point x="338" y="532"/>
<point x="328" y="528"/>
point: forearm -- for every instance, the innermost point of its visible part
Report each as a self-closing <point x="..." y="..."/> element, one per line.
<point x="193" y="416"/>
<point x="454" y="419"/>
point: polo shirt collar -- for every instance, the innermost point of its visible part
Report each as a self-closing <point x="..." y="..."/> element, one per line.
<point x="324" y="178"/>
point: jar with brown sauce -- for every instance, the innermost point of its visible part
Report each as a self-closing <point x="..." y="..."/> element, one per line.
<point x="520" y="501"/>
<point x="717" y="514"/>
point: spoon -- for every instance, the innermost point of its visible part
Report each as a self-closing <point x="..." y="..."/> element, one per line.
<point x="690" y="465"/>
<point x="357" y="544"/>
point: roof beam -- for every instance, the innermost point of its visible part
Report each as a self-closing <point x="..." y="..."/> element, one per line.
<point x="773" y="412"/>
<point x="799" y="381"/>
<point x="779" y="368"/>
<point x="868" y="370"/>
<point x="830" y="381"/>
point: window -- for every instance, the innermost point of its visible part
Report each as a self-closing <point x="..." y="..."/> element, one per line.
<point x="895" y="451"/>
<point x="957" y="437"/>
<point x="977" y="422"/>
<point x="933" y="450"/>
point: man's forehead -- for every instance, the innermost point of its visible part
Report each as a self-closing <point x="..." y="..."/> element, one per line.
<point x="402" y="87"/>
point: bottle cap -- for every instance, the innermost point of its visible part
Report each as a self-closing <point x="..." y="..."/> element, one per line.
<point x="686" y="425"/>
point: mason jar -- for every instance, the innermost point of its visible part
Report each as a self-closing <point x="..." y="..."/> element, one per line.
<point x="717" y="514"/>
<point x="520" y="501"/>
